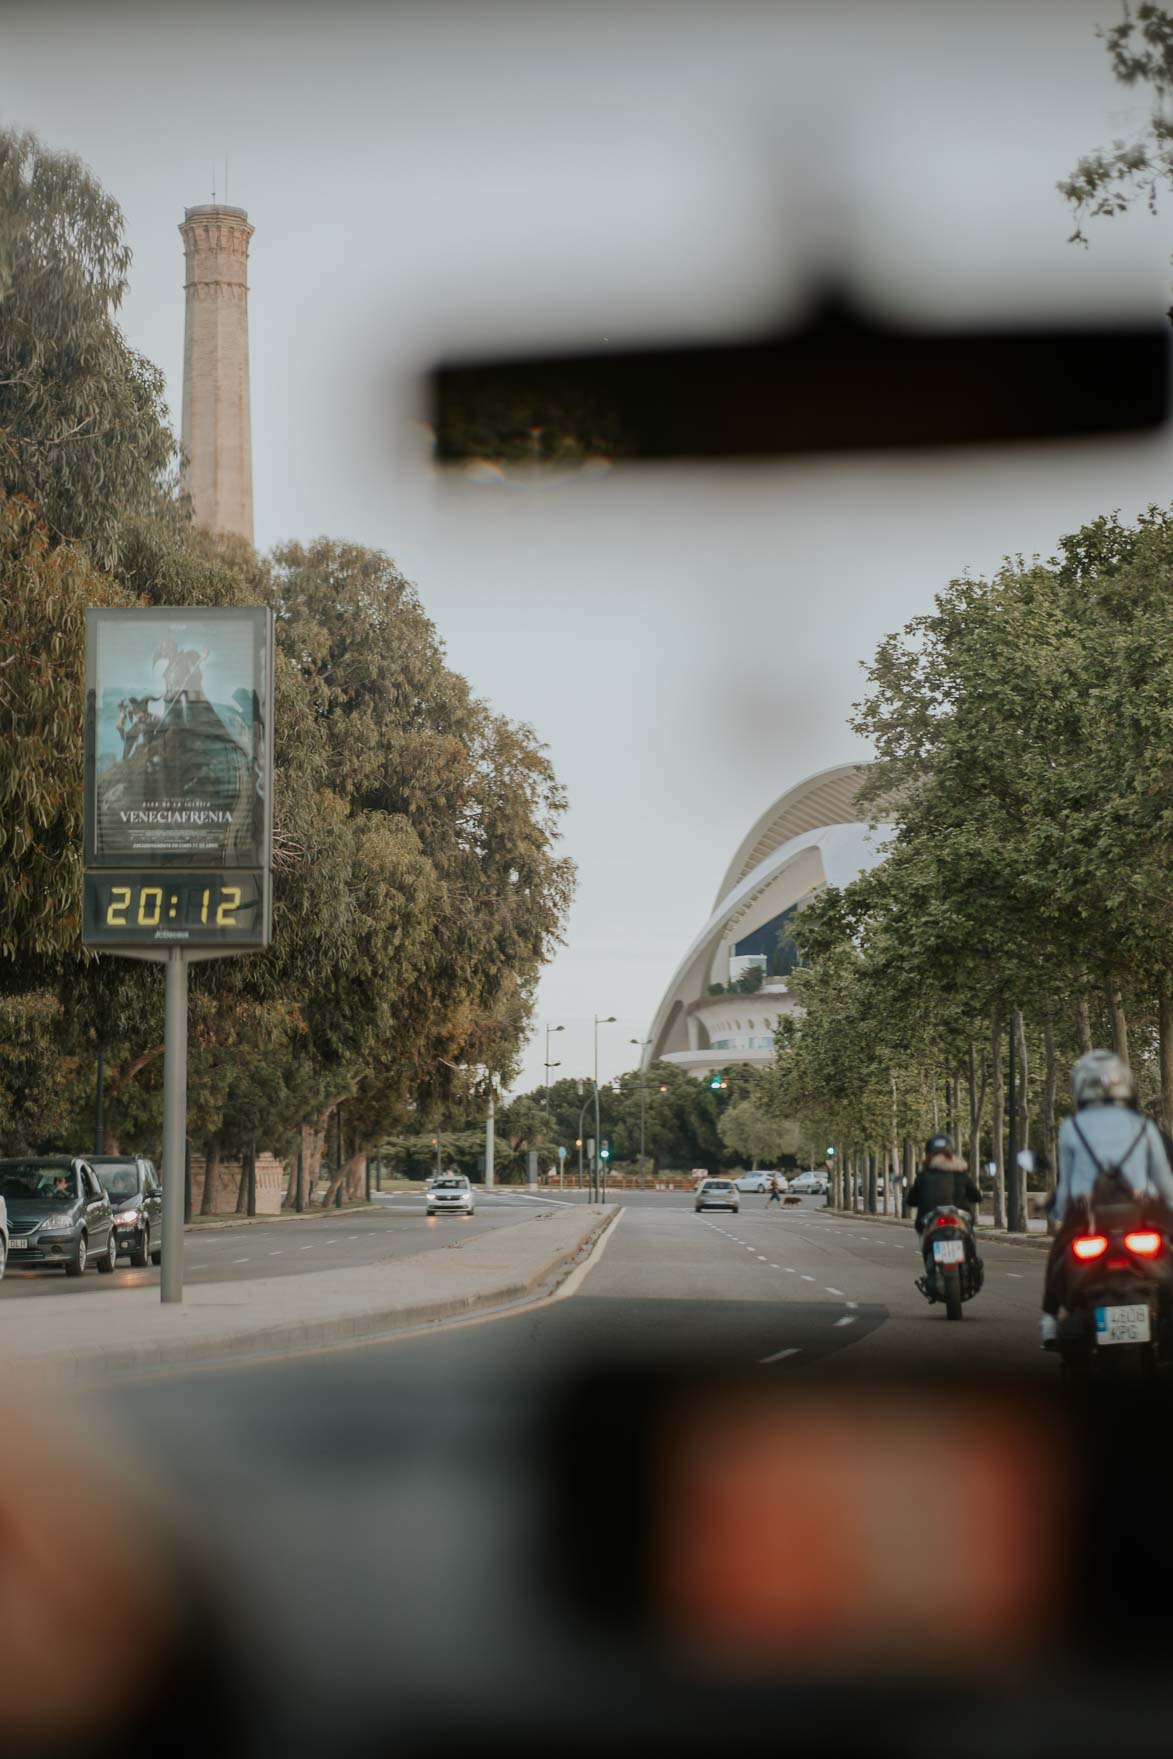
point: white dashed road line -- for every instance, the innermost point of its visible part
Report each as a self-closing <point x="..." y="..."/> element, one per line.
<point x="781" y="1355"/>
<point x="240" y="1261"/>
<point x="831" y="1291"/>
<point x="848" y="1319"/>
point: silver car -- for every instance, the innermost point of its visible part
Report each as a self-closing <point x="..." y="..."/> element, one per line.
<point x="451" y="1195"/>
<point x="3" y="1237"/>
<point x="718" y="1194"/>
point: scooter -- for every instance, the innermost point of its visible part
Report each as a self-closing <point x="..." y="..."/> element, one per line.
<point x="1119" y="1294"/>
<point x="953" y="1273"/>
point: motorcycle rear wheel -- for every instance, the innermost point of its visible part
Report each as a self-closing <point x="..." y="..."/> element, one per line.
<point x="952" y="1292"/>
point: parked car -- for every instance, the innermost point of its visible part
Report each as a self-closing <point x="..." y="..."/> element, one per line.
<point x="451" y="1195"/>
<point x="810" y="1184"/>
<point x="760" y="1181"/>
<point x="3" y="1237"/>
<point x="58" y="1214"/>
<point x="136" y="1197"/>
<point x="717" y="1194"/>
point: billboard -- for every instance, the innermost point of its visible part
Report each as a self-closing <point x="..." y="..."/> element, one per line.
<point x="178" y="776"/>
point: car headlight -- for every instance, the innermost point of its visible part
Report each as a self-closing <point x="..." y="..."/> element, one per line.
<point x="58" y="1224"/>
<point x="127" y="1218"/>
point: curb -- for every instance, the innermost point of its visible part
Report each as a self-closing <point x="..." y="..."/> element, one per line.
<point x="275" y="1341"/>
<point x="1033" y="1242"/>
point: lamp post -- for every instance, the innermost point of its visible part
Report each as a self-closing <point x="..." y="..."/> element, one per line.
<point x="600" y="1020"/>
<point x="549" y="1065"/>
<point x="643" y="1044"/>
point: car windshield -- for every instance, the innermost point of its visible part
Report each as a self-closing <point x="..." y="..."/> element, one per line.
<point x="119" y="1179"/>
<point x="718" y="1185"/>
<point x="37" y="1181"/>
<point x="451" y="1185"/>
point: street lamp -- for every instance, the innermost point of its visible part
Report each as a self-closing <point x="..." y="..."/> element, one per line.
<point x="600" y="1020"/>
<point x="549" y="1065"/>
<point x="643" y="1044"/>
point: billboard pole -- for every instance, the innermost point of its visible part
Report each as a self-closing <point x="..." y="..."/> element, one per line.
<point x="174" y="1122"/>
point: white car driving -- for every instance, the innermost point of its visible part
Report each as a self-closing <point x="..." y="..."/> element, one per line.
<point x="451" y="1195"/>
<point x="717" y="1194"/>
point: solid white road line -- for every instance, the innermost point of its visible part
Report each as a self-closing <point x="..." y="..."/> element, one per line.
<point x="780" y="1355"/>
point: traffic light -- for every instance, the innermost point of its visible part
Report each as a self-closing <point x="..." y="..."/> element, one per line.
<point x="578" y="1141"/>
<point x="604" y="1151"/>
<point x="830" y="1151"/>
<point x="717" y="1081"/>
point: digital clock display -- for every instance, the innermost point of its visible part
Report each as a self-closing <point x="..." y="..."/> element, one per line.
<point x="175" y="909"/>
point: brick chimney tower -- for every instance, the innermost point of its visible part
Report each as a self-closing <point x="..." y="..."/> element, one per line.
<point x="216" y="430"/>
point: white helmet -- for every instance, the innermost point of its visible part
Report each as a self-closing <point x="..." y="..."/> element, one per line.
<point x="1102" y="1078"/>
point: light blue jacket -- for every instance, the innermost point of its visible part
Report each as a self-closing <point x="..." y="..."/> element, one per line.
<point x="1119" y="1137"/>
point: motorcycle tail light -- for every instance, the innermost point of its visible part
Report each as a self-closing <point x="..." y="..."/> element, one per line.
<point x="1087" y="1246"/>
<point x="1145" y="1243"/>
<point x="945" y="1221"/>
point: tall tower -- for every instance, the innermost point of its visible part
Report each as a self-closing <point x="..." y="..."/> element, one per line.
<point x="216" y="430"/>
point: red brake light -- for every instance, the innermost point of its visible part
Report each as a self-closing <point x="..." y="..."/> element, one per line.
<point x="945" y="1221"/>
<point x="1146" y="1243"/>
<point x="1089" y="1245"/>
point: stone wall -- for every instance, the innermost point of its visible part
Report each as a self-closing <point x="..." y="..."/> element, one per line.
<point x="271" y="1179"/>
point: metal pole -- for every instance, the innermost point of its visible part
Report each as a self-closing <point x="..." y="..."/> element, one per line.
<point x="490" y="1142"/>
<point x="174" y="1122"/>
<point x="642" y="1115"/>
<point x="1013" y="1216"/>
<point x="595" y="1156"/>
<point x="99" y="1099"/>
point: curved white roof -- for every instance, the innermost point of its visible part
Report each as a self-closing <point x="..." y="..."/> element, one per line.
<point x="818" y="815"/>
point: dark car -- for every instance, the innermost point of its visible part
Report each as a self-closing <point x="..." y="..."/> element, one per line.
<point x="58" y="1214"/>
<point x="136" y="1197"/>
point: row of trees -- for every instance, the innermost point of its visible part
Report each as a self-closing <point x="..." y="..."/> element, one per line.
<point x="1024" y="760"/>
<point x="682" y="1123"/>
<point x="418" y="884"/>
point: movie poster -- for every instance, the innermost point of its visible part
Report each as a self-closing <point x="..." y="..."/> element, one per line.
<point x="177" y="729"/>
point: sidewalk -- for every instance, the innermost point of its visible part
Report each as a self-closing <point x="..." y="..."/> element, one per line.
<point x="126" y="1331"/>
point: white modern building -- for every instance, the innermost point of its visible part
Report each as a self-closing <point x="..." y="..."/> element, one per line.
<point x="810" y="838"/>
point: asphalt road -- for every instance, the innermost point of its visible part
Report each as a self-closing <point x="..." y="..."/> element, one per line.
<point x="331" y="1241"/>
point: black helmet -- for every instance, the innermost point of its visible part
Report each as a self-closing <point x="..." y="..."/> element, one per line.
<point x="939" y="1144"/>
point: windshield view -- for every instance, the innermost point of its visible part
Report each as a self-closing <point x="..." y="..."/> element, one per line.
<point x="44" y="1181"/>
<point x="586" y="821"/>
<point x="119" y="1181"/>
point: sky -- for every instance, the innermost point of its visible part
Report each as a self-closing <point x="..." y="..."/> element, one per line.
<point x="441" y="179"/>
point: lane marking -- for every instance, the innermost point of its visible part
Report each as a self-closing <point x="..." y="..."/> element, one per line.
<point x="848" y="1319"/>
<point x="775" y="1267"/>
<point x="790" y="1270"/>
<point x="780" y="1355"/>
<point x="831" y="1291"/>
<point x="240" y="1261"/>
<point x="762" y="1258"/>
<point x="279" y="1254"/>
<point x="807" y="1279"/>
<point x="853" y="1303"/>
<point x="1016" y="1274"/>
<point x="308" y="1248"/>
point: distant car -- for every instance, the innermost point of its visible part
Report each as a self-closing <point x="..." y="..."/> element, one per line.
<point x="58" y="1214"/>
<point x="3" y="1237"/>
<point x="717" y="1194"/>
<point x="810" y="1185"/>
<point x="451" y="1195"/>
<point x="136" y="1197"/>
<point x="760" y="1181"/>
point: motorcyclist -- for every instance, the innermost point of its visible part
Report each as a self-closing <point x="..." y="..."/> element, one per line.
<point x="1106" y="1131"/>
<point x="943" y="1179"/>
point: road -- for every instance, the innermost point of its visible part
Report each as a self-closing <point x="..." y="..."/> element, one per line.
<point x="395" y="1227"/>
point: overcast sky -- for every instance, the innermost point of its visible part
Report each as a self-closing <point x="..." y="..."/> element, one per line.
<point x="429" y="179"/>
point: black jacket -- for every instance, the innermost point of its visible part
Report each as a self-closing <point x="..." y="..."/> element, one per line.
<point x="935" y="1186"/>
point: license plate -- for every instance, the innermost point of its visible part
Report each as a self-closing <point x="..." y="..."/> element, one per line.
<point x="949" y="1251"/>
<point x="1123" y="1325"/>
<point x="18" y="1245"/>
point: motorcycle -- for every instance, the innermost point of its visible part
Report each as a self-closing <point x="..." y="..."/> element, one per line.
<point x="953" y="1273"/>
<point x="1119" y="1294"/>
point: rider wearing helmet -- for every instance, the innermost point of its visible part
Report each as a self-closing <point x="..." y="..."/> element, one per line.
<point x="943" y="1179"/>
<point x="1107" y="1131"/>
